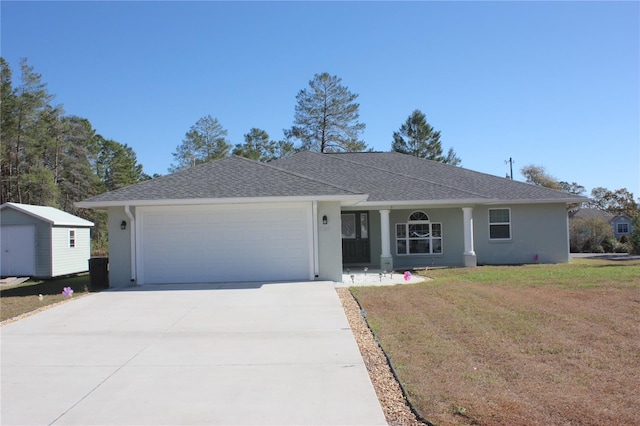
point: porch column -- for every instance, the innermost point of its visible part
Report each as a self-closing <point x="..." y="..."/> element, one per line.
<point x="386" y="261"/>
<point x="469" y="252"/>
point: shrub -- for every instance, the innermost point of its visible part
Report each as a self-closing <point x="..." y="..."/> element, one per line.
<point x="610" y="245"/>
<point x="635" y="235"/>
<point x="588" y="235"/>
<point x="623" y="248"/>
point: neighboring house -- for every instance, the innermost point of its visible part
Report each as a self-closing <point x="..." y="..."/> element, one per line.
<point x="43" y="242"/>
<point x="620" y="224"/>
<point x="310" y="215"/>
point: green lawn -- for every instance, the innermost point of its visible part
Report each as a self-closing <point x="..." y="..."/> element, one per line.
<point x="533" y="344"/>
<point x="25" y="297"/>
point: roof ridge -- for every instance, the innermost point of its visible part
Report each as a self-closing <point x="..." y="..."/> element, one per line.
<point x="310" y="178"/>
<point x="411" y="176"/>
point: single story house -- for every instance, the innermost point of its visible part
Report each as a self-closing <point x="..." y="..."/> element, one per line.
<point x="621" y="224"/>
<point x="310" y="215"/>
<point x="43" y="242"/>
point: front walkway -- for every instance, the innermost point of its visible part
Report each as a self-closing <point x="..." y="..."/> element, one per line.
<point x="277" y="354"/>
<point x="358" y="277"/>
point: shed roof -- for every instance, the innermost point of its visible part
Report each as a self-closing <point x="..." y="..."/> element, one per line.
<point x="48" y="214"/>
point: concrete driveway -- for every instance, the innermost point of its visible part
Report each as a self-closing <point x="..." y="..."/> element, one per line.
<point x="276" y="354"/>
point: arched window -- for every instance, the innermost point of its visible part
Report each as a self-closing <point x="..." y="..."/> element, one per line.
<point x="418" y="235"/>
<point x="418" y="216"/>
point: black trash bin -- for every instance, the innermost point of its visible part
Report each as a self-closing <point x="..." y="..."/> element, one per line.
<point x="98" y="273"/>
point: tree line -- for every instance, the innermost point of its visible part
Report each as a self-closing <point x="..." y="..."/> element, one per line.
<point x="50" y="158"/>
<point x="326" y="119"/>
<point x="53" y="159"/>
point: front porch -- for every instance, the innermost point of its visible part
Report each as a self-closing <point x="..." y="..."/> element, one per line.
<point x="400" y="237"/>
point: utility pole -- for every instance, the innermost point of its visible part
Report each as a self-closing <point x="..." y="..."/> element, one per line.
<point x="510" y="161"/>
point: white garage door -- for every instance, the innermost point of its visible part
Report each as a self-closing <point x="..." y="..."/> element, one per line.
<point x="226" y="243"/>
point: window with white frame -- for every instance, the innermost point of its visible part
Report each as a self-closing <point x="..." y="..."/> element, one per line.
<point x="419" y="235"/>
<point x="72" y="238"/>
<point x="623" y="228"/>
<point x="499" y="224"/>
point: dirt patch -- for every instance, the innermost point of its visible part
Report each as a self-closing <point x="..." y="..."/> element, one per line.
<point x="31" y="297"/>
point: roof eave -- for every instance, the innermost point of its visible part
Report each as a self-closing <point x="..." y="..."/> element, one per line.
<point x="470" y="201"/>
<point x="568" y="200"/>
<point x="350" y="199"/>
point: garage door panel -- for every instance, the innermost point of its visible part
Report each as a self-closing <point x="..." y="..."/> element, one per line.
<point x="224" y="243"/>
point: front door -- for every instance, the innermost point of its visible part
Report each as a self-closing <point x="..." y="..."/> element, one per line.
<point x="355" y="237"/>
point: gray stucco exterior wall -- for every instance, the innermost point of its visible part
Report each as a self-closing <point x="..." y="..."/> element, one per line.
<point x="119" y="249"/>
<point x="540" y="230"/>
<point x="329" y="242"/>
<point x="536" y="230"/>
<point x="452" y="238"/>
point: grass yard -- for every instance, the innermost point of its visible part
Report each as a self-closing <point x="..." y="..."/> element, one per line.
<point x="24" y="298"/>
<point x="516" y="345"/>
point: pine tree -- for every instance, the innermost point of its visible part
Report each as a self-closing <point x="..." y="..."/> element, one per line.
<point x="326" y="117"/>
<point x="256" y="146"/>
<point x="416" y="137"/>
<point x="20" y="114"/>
<point x="205" y="141"/>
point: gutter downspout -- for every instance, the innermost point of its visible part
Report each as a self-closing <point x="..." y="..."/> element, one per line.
<point x="316" y="266"/>
<point x="132" y="241"/>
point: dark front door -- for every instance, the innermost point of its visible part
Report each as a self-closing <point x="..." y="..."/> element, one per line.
<point x="355" y="237"/>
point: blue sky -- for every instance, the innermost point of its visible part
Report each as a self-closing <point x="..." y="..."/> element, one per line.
<point x="554" y="84"/>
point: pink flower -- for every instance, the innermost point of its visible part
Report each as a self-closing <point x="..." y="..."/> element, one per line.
<point x="407" y="275"/>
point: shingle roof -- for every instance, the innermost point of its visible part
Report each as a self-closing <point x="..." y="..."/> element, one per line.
<point x="391" y="176"/>
<point x="590" y="214"/>
<point x="380" y="176"/>
<point x="48" y="214"/>
<point x="230" y="177"/>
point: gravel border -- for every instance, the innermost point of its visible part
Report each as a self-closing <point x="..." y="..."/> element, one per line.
<point x="394" y="404"/>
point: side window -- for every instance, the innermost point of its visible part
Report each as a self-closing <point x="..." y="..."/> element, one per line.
<point x="72" y="238"/>
<point x="499" y="224"/>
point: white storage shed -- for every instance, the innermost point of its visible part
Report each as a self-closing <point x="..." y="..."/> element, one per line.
<point x="43" y="242"/>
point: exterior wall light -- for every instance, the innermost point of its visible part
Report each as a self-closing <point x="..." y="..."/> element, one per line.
<point x="325" y="220"/>
<point x="123" y="225"/>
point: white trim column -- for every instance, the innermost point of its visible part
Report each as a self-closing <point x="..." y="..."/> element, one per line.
<point x="386" y="261"/>
<point x="469" y="254"/>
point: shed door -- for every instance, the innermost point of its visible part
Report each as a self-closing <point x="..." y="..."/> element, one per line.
<point x="18" y="244"/>
<point x="229" y="243"/>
